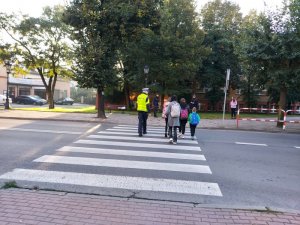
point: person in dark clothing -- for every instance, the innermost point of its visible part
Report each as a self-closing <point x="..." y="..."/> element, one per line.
<point x="184" y="114"/>
<point x="155" y="105"/>
<point x="194" y="103"/>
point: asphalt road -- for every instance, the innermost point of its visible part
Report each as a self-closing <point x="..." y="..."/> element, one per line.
<point x="223" y="168"/>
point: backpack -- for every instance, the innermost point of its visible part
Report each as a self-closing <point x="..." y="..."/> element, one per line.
<point x="175" y="110"/>
<point x="184" y="113"/>
<point x="194" y="119"/>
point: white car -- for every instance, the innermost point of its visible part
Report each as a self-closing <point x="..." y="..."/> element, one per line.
<point x="3" y="100"/>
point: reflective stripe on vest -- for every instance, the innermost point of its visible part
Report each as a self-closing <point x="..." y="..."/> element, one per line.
<point x="142" y="101"/>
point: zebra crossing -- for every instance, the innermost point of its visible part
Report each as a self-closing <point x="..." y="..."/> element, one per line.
<point x="121" y="151"/>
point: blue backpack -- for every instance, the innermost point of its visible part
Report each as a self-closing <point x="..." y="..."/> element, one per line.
<point x="194" y="119"/>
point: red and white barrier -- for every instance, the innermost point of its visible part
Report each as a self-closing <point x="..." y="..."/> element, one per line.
<point x="267" y="120"/>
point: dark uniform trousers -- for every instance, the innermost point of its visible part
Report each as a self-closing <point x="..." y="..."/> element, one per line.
<point x="143" y="116"/>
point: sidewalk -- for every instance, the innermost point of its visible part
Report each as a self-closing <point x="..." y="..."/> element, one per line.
<point x="120" y="118"/>
<point x="45" y="208"/>
<point x="21" y="206"/>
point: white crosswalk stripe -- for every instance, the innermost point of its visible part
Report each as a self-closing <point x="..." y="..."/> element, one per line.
<point x="141" y="145"/>
<point x="138" y="139"/>
<point x="131" y="183"/>
<point x="148" y="129"/>
<point x="151" y="152"/>
<point x="124" y="164"/>
<point x="133" y="153"/>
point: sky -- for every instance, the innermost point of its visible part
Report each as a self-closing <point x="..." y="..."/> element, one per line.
<point x="34" y="7"/>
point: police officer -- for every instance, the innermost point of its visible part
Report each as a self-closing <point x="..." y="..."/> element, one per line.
<point x="143" y="107"/>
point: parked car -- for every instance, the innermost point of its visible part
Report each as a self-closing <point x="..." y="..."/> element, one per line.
<point x="64" y="101"/>
<point x="30" y="100"/>
<point x="3" y="100"/>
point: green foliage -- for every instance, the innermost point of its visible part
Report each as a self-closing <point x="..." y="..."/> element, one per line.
<point x="10" y="184"/>
<point x="221" y="21"/>
<point x="184" y="51"/>
<point x="272" y="47"/>
<point x="40" y="44"/>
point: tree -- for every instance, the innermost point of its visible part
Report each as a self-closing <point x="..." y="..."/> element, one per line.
<point x="184" y="50"/>
<point x="105" y="32"/>
<point x="41" y="44"/>
<point x="247" y="83"/>
<point x="274" y="49"/>
<point x="93" y="34"/>
<point x="221" y="21"/>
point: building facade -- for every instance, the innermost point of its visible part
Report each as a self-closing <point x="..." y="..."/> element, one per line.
<point x="31" y="84"/>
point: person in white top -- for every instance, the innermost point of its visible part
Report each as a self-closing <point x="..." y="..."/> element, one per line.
<point x="233" y="106"/>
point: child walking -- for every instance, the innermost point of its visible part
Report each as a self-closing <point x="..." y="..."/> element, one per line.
<point x="194" y="120"/>
<point x="165" y="116"/>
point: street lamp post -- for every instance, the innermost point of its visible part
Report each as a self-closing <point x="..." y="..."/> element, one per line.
<point x="146" y="71"/>
<point x="8" y="70"/>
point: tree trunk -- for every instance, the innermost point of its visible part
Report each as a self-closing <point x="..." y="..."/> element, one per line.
<point x="127" y="96"/>
<point x="50" y="98"/>
<point x="282" y="104"/>
<point x="194" y="87"/>
<point x="101" y="112"/>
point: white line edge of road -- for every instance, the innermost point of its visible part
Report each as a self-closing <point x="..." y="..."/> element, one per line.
<point x="245" y="143"/>
<point x="297" y="146"/>
<point x="42" y="131"/>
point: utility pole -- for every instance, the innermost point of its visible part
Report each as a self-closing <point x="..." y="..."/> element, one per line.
<point x="225" y="92"/>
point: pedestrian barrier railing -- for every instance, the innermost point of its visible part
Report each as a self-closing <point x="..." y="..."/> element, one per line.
<point x="284" y="121"/>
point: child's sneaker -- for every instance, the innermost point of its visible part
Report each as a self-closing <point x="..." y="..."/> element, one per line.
<point x="171" y="140"/>
<point x="182" y="136"/>
<point x="174" y="143"/>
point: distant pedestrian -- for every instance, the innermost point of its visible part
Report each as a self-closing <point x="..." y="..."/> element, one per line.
<point x="166" y="117"/>
<point x="194" y="103"/>
<point x="173" y="112"/>
<point x="184" y="115"/>
<point x="155" y="105"/>
<point x="194" y="120"/>
<point x="233" y="107"/>
<point x="143" y="107"/>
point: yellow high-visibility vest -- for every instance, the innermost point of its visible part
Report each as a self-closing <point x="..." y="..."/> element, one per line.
<point x="142" y="102"/>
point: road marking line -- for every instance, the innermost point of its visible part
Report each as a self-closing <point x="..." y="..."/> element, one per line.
<point x="124" y="164"/>
<point x="42" y="131"/>
<point x="139" y="139"/>
<point x="297" y="146"/>
<point x="148" y="129"/>
<point x="135" y="131"/>
<point x="244" y="143"/>
<point x="120" y="182"/>
<point x="135" y="134"/>
<point x="143" y="145"/>
<point x="133" y="153"/>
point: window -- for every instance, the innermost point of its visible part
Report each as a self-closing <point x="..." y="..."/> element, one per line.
<point x="24" y="91"/>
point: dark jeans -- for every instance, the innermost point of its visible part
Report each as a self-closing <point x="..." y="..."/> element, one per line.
<point x="182" y="126"/>
<point x="167" y="130"/>
<point x="155" y="111"/>
<point x="173" y="133"/>
<point x="233" y="112"/>
<point x="193" y="129"/>
<point x="143" y="116"/>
